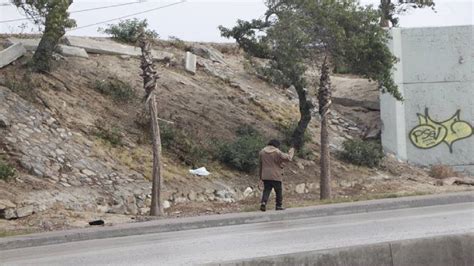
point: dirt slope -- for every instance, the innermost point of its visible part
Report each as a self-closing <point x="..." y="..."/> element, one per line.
<point x="206" y="108"/>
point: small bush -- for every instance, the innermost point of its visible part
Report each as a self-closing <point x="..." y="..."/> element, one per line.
<point x="111" y="135"/>
<point x="365" y="153"/>
<point x="6" y="170"/>
<point x="242" y="154"/>
<point x="441" y="171"/>
<point x="119" y="90"/>
<point x="178" y="43"/>
<point x="127" y="31"/>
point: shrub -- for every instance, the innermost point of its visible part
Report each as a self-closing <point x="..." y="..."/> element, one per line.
<point x="120" y="91"/>
<point x="242" y="154"/>
<point x="365" y="153"/>
<point x="111" y="135"/>
<point x="6" y="170"/>
<point x="441" y="171"/>
<point x="127" y="31"/>
<point x="178" y="43"/>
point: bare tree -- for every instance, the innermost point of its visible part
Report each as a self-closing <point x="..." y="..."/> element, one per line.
<point x="150" y="78"/>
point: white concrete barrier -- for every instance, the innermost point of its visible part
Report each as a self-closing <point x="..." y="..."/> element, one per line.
<point x="11" y="54"/>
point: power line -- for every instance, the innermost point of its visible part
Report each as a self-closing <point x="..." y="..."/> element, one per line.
<point x="129" y="15"/>
<point x="79" y="11"/>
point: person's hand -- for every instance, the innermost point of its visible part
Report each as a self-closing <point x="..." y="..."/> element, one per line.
<point x="260" y="184"/>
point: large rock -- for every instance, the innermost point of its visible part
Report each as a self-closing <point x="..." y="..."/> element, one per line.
<point x="25" y="211"/>
<point x="11" y="54"/>
<point x="4" y="121"/>
<point x="190" y="62"/>
<point x="32" y="45"/>
<point x="208" y="53"/>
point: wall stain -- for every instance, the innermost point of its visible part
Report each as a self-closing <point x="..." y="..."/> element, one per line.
<point x="429" y="133"/>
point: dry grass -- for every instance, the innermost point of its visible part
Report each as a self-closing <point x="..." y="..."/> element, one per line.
<point x="441" y="171"/>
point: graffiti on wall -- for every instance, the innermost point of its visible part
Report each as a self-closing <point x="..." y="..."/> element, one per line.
<point x="429" y="133"/>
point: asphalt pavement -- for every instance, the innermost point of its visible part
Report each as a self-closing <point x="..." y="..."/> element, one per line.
<point x="235" y="242"/>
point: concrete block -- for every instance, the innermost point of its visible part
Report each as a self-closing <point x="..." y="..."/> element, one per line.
<point x="436" y="251"/>
<point x="72" y="51"/>
<point x="104" y="46"/>
<point x="11" y="54"/>
<point x="190" y="62"/>
<point x="208" y="53"/>
<point x="32" y="45"/>
<point x="435" y="123"/>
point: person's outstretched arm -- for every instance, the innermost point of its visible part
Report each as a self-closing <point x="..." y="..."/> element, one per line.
<point x="287" y="157"/>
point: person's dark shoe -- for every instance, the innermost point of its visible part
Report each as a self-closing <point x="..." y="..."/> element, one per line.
<point x="263" y="207"/>
<point x="279" y="208"/>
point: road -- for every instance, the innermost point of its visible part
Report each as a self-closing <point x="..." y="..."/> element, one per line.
<point x="252" y="240"/>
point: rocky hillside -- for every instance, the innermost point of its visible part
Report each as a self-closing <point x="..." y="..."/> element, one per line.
<point x="81" y="151"/>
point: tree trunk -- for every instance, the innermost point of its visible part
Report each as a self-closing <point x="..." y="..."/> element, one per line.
<point x="386" y="10"/>
<point x="324" y="98"/>
<point x="156" y="209"/>
<point x="150" y="78"/>
<point x="54" y="30"/>
<point x="305" y="105"/>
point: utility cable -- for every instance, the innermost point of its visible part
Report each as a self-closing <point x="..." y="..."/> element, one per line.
<point x="129" y="15"/>
<point x="80" y="11"/>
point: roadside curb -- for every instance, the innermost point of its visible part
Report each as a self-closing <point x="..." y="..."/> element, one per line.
<point x="180" y="224"/>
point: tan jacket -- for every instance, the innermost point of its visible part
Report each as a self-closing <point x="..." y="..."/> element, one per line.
<point x="271" y="160"/>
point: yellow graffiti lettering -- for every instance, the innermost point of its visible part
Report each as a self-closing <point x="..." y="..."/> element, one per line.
<point x="429" y="133"/>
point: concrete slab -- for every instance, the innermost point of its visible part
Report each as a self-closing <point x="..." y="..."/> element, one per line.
<point x="11" y="54"/>
<point x="190" y="62"/>
<point x="104" y="46"/>
<point x="109" y="47"/>
<point x="32" y="44"/>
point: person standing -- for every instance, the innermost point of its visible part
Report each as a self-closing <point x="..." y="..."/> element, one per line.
<point x="271" y="163"/>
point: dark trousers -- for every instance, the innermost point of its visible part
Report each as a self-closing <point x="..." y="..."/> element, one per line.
<point x="268" y="186"/>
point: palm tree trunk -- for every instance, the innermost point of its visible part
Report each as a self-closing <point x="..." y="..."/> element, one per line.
<point x="324" y="98"/>
<point x="156" y="208"/>
<point x="150" y="78"/>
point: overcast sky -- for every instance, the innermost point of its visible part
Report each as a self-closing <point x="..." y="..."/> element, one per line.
<point x="197" y="20"/>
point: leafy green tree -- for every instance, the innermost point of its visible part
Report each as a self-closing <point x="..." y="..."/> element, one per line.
<point x="391" y="8"/>
<point x="54" y="17"/>
<point x="323" y="33"/>
<point x="283" y="43"/>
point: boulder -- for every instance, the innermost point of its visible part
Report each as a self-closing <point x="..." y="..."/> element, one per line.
<point x="4" y="121"/>
<point x="166" y="204"/>
<point x="25" y="211"/>
<point x="208" y="53"/>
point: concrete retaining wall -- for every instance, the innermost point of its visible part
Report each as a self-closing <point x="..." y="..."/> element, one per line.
<point x="433" y="251"/>
<point x="434" y="125"/>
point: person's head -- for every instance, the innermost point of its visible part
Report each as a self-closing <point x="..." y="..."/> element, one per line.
<point x="275" y="143"/>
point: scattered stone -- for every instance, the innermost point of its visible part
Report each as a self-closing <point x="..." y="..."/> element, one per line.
<point x="166" y="204"/>
<point x="180" y="200"/>
<point x="88" y="172"/>
<point x="300" y="189"/>
<point x="247" y="192"/>
<point x="190" y="62"/>
<point x="11" y="54"/>
<point x="300" y="165"/>
<point x="192" y="196"/>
